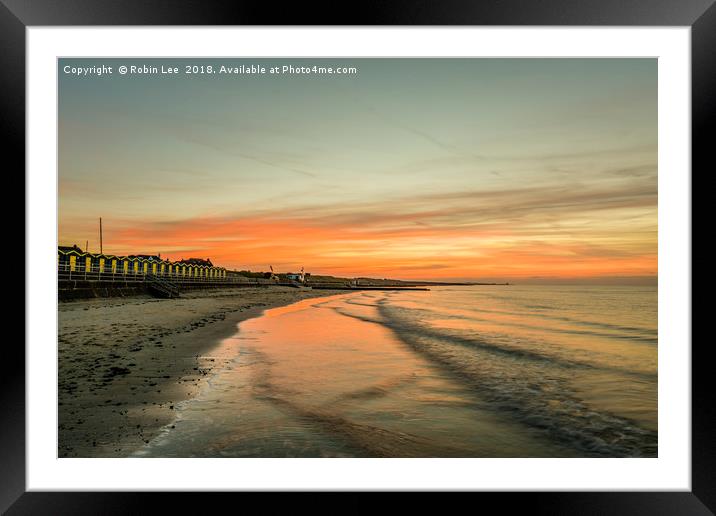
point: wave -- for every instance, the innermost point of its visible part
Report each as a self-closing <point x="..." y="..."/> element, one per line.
<point x="528" y="386"/>
<point x="409" y="326"/>
<point x="628" y="332"/>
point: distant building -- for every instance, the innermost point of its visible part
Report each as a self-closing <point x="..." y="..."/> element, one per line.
<point x="68" y="248"/>
<point x="298" y="276"/>
<point x="197" y="261"/>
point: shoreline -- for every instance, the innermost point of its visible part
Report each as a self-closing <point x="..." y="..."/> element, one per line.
<point x="124" y="363"/>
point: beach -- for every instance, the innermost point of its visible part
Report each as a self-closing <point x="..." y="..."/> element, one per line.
<point x="461" y="371"/>
<point x="125" y="363"/>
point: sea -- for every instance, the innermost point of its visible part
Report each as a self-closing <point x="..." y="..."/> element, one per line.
<point x="456" y="371"/>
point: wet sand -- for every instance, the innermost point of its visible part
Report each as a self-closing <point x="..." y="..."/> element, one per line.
<point x="429" y="374"/>
<point x="124" y="363"/>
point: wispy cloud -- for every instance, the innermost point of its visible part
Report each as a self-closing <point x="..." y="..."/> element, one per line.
<point x="510" y="232"/>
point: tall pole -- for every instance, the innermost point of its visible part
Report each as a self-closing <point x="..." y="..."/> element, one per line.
<point x="100" y="236"/>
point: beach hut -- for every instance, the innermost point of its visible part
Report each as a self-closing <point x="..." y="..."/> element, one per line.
<point x="67" y="258"/>
<point x="197" y="267"/>
<point x="102" y="263"/>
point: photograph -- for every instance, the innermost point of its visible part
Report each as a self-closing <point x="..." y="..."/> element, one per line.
<point x="419" y="248"/>
<point x="357" y="257"/>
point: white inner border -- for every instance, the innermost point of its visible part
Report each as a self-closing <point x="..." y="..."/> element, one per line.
<point x="671" y="471"/>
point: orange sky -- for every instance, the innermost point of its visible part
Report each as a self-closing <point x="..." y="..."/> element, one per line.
<point x="508" y="236"/>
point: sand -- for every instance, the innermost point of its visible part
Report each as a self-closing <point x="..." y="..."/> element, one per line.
<point x="125" y="363"/>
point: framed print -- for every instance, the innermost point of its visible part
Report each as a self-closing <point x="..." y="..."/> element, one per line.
<point x="441" y="249"/>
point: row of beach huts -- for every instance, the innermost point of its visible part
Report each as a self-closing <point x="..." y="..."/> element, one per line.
<point x="72" y="259"/>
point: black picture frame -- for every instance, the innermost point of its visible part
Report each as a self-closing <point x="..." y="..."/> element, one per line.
<point x="700" y="15"/>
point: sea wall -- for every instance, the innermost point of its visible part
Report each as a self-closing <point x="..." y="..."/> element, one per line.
<point x="85" y="289"/>
<point x="81" y="289"/>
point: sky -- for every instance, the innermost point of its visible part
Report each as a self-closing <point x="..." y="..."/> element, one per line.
<point x="531" y="170"/>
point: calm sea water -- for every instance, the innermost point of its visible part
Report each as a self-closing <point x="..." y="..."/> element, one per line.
<point x="483" y="371"/>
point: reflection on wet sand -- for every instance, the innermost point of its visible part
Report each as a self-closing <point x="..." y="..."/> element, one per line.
<point x="374" y="375"/>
